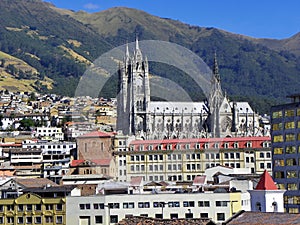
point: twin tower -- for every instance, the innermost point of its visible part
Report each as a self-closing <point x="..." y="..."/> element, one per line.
<point x="138" y="116"/>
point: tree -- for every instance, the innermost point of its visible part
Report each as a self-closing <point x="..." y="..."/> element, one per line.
<point x="26" y="124"/>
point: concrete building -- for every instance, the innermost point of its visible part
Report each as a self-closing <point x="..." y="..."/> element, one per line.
<point x="285" y="120"/>
<point x="109" y="209"/>
<point x="49" y="133"/>
<point x="184" y="159"/>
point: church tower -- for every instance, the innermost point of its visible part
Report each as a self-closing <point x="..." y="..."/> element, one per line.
<point x="215" y="101"/>
<point x="134" y="94"/>
<point x="266" y="197"/>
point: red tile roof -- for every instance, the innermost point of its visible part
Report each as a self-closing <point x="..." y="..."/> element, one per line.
<point x="263" y="218"/>
<point x="35" y="182"/>
<point x="96" y="134"/>
<point x="199" y="180"/>
<point x="266" y="182"/>
<point x="136" y="180"/>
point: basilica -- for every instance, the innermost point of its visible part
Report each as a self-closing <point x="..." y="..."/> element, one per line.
<point x="138" y="116"/>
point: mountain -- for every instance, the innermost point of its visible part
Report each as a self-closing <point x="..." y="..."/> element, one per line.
<point x="56" y="45"/>
<point x="61" y="44"/>
<point x="262" y="70"/>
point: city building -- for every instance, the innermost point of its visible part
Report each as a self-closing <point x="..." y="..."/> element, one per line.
<point x="49" y="133"/>
<point x="94" y="154"/>
<point x="138" y="116"/>
<point x="285" y="132"/>
<point x="56" y="157"/>
<point x="184" y="159"/>
<point x="109" y="209"/>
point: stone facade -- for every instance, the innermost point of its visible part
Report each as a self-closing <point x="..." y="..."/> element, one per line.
<point x="216" y="117"/>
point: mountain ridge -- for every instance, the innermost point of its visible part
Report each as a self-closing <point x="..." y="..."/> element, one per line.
<point x="267" y="69"/>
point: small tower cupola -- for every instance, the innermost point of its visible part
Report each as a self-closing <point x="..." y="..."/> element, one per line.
<point x="266" y="197"/>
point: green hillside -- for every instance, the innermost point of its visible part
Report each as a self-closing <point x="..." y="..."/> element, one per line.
<point x="251" y="69"/>
<point x="61" y="44"/>
<point x="33" y="31"/>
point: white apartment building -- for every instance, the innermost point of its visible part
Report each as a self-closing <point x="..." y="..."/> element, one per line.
<point x="49" y="133"/>
<point x="56" y="157"/>
<point x="109" y="209"/>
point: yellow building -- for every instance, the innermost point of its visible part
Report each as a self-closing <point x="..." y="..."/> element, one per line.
<point x="31" y="208"/>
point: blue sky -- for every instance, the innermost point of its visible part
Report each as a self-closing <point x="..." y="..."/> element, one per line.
<point x="256" y="18"/>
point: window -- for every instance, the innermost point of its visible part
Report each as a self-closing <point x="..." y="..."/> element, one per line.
<point x="50" y="207"/>
<point x="20" y="220"/>
<point x="291" y="162"/>
<point x="277" y="114"/>
<point x="292" y="186"/>
<point x="203" y="215"/>
<point x="174" y="216"/>
<point x="268" y="155"/>
<point x="289" y="125"/>
<point x="278" y="151"/>
<point x="203" y="203"/>
<point x="290" y="149"/>
<point x="290" y="137"/>
<point x="128" y="205"/>
<point x="277" y="126"/>
<point x="98" y="206"/>
<point x="279" y="162"/>
<point x="236" y="145"/>
<point x="48" y="219"/>
<point x="38" y="220"/>
<point x="10" y="219"/>
<point x="226" y="156"/>
<point x="173" y="204"/>
<point x="29" y="219"/>
<point x="59" y="207"/>
<point x="220" y="216"/>
<point x="248" y="144"/>
<point x="291" y="174"/>
<point x="221" y="203"/>
<point x="261" y="155"/>
<point x="20" y="208"/>
<point x="10" y="208"/>
<point x="144" y="205"/>
<point x="98" y="219"/>
<point x="261" y="165"/>
<point x="279" y="174"/>
<point x="277" y="138"/>
<point x="188" y="204"/>
<point x="59" y="219"/>
<point x="114" y="205"/>
<point x="289" y="113"/>
<point x="158" y="204"/>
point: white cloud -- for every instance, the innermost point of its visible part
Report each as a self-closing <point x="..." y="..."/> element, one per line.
<point x="91" y="6"/>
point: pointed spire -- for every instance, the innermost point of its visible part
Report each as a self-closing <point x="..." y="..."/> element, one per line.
<point x="266" y="182"/>
<point x="216" y="68"/>
<point x="138" y="53"/>
<point x="136" y="43"/>
<point x="127" y="51"/>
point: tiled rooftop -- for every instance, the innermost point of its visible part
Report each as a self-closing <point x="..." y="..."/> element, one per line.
<point x="137" y="220"/>
<point x="263" y="218"/>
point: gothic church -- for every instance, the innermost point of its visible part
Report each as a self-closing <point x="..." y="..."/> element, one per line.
<point x="145" y="119"/>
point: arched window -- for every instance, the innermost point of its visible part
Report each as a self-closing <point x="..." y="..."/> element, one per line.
<point x="275" y="206"/>
<point x="258" y="206"/>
